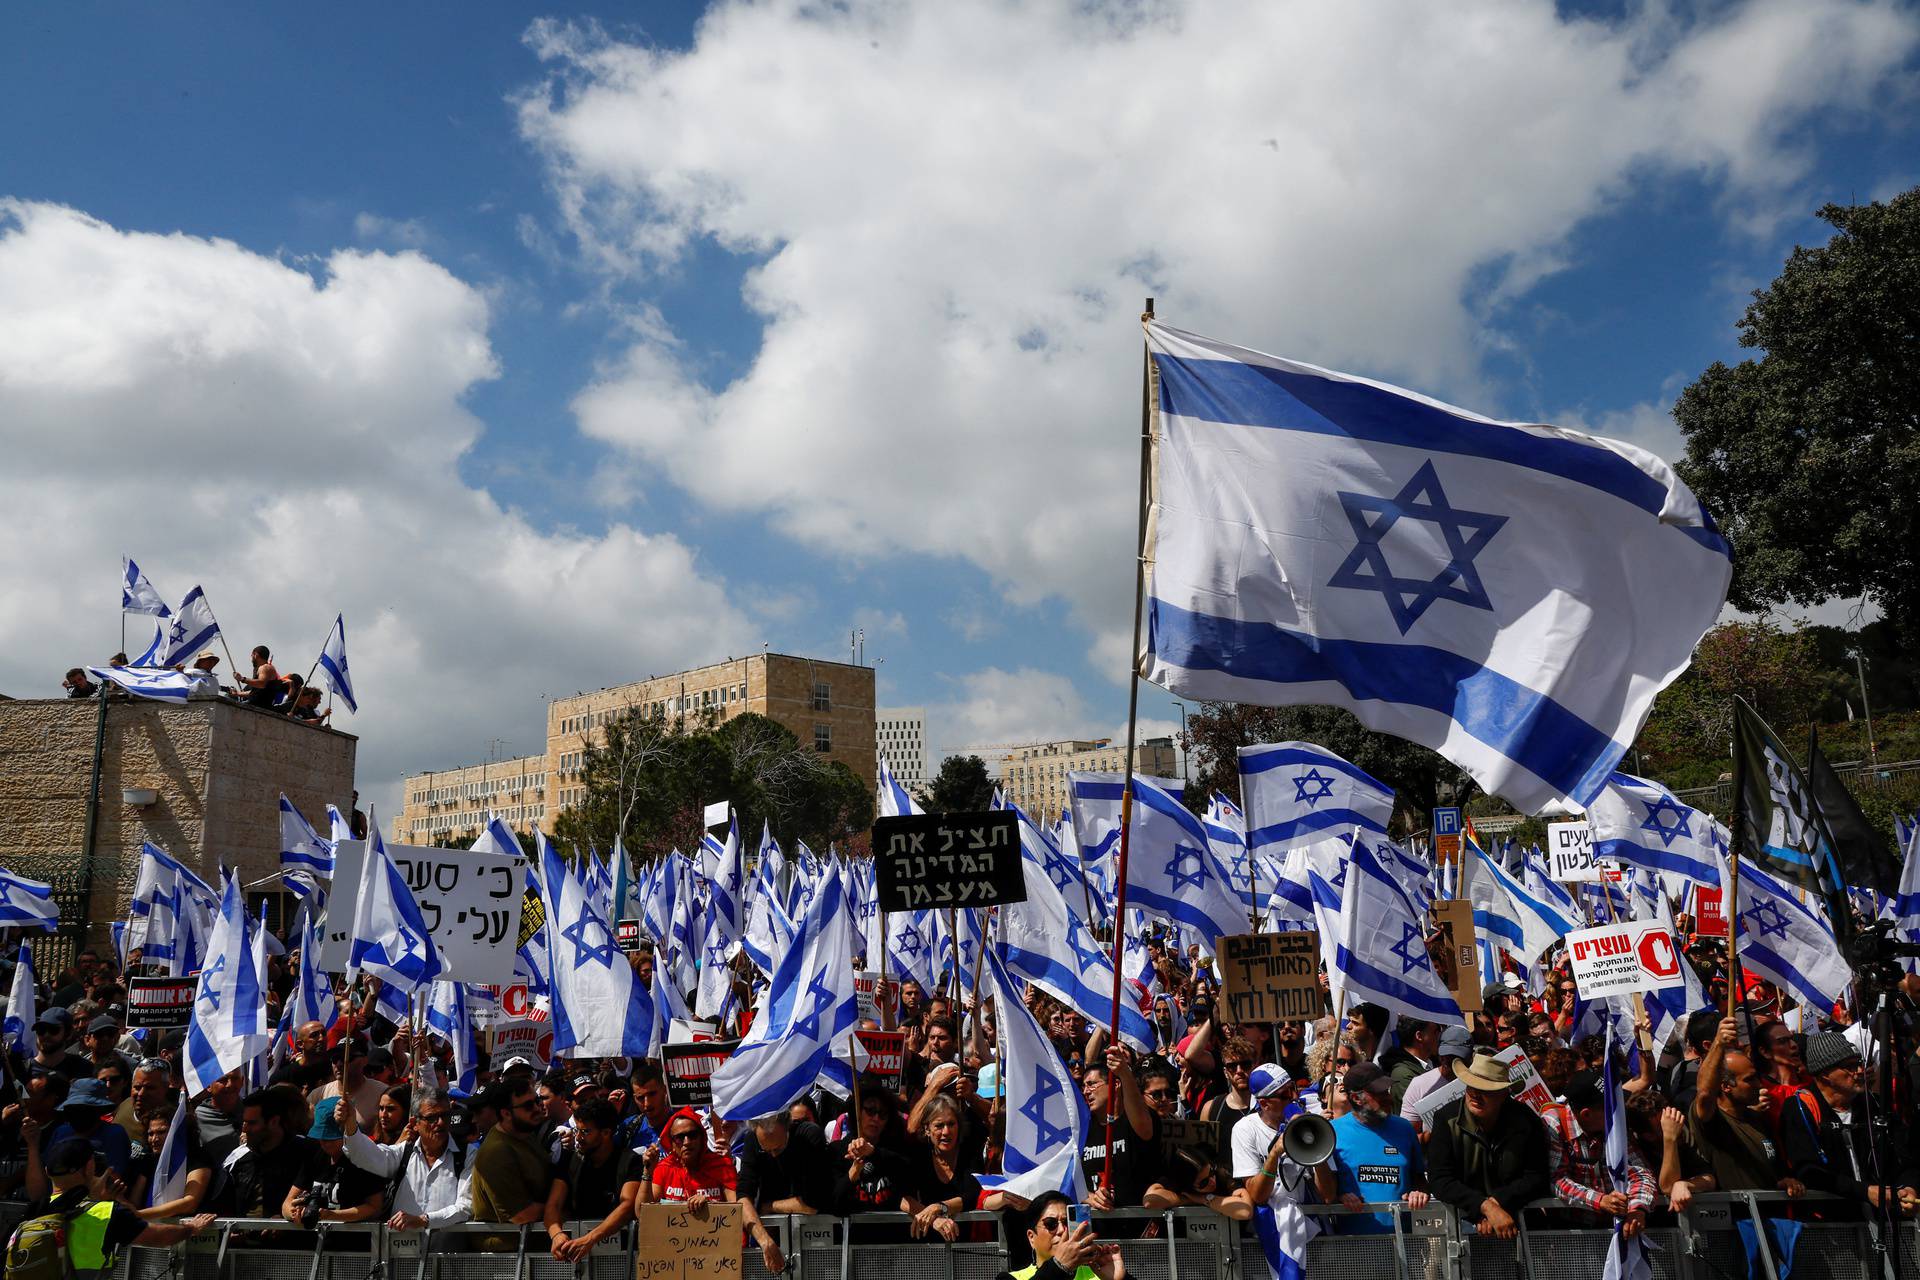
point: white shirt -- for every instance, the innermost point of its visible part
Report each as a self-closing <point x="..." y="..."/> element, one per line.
<point x="430" y="1188"/>
<point x="1252" y="1138"/>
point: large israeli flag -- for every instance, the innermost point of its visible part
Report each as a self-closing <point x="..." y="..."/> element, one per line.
<point x="162" y="684"/>
<point x="22" y="1011"/>
<point x="300" y="845"/>
<point x="1511" y="595"/>
<point x="601" y="1009"/>
<point x="1642" y="824"/>
<point x="228" y="1028"/>
<point x="1788" y="942"/>
<point x="26" y="904"/>
<point x="1381" y="954"/>
<point x="193" y="628"/>
<point x="137" y="594"/>
<point x="171" y="915"/>
<point x="1049" y="945"/>
<point x="390" y="936"/>
<point x="1048" y="1126"/>
<point x="1505" y="912"/>
<point x="1094" y="799"/>
<point x="333" y="664"/>
<point x="1298" y="793"/>
<point x="1172" y="874"/>
<point x="802" y="1012"/>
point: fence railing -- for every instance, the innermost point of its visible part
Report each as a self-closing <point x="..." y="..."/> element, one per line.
<point x="1709" y="1241"/>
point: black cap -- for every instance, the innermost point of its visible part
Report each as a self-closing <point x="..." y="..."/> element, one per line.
<point x="103" y="1022"/>
<point x="1584" y="1090"/>
<point x="69" y="1155"/>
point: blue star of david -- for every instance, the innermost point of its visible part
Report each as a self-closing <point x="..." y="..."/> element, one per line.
<point x="1340" y="876"/>
<point x="909" y="942"/>
<point x="1058" y="872"/>
<point x="1315" y="779"/>
<point x="1045" y="1088"/>
<point x="1466" y="534"/>
<point x="1771" y="921"/>
<point x="1412" y="950"/>
<point x="6" y="894"/>
<point x="716" y="953"/>
<point x="1196" y="878"/>
<point x="177" y="632"/>
<point x="600" y="953"/>
<point x="209" y="984"/>
<point x="1085" y="954"/>
<point x="819" y="1000"/>
<point x="1657" y="812"/>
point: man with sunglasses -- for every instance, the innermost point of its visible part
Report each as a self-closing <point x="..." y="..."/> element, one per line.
<point x="432" y="1184"/>
<point x="1062" y="1251"/>
<point x="511" y="1174"/>
<point x="1826" y="1140"/>
<point x="1227" y="1109"/>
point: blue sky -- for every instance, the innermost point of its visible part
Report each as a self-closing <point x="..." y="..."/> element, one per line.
<point x="702" y="343"/>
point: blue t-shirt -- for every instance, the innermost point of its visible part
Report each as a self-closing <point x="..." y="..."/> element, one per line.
<point x="109" y="1141"/>
<point x="1377" y="1162"/>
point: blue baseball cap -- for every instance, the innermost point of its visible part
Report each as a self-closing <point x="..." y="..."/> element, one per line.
<point x="1268" y="1079"/>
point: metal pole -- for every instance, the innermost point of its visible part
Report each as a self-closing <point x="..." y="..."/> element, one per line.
<point x="1133" y="714"/>
<point x="93" y="810"/>
<point x="1866" y="709"/>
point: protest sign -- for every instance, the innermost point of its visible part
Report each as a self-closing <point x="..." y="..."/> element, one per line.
<point x="533" y="914"/>
<point x="716" y="815"/>
<point x="1620" y="958"/>
<point x="690" y="1068"/>
<point x="1436" y="1098"/>
<point x="874" y="995"/>
<point x="886" y="1051"/>
<point x="523" y="1038"/>
<point x="1175" y="1134"/>
<point x="470" y="900"/>
<point x="1462" y="972"/>
<point x="1272" y="977"/>
<point x="1709" y="912"/>
<point x="1528" y="1087"/>
<point x="626" y="934"/>
<point x="951" y="860"/>
<point x="1570" y="852"/>
<point x="160" y="1003"/>
<point x="513" y="1003"/>
<point x="678" y="1243"/>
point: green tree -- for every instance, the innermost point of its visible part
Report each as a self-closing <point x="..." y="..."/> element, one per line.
<point x="1420" y="777"/>
<point x="961" y="786"/>
<point x="650" y="778"/>
<point x="1807" y="455"/>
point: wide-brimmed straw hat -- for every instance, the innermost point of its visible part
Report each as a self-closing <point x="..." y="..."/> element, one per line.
<point x="1485" y="1072"/>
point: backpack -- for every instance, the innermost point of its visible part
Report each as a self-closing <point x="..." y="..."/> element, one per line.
<point x="38" y="1247"/>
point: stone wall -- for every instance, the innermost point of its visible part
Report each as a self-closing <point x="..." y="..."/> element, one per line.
<point x="218" y="769"/>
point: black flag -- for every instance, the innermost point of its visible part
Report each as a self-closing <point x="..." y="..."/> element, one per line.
<point x="1867" y="859"/>
<point x="1777" y="821"/>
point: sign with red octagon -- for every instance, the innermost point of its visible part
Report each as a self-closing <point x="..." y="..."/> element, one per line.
<point x="1617" y="959"/>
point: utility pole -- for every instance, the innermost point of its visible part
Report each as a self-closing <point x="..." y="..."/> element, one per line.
<point x="1860" y="665"/>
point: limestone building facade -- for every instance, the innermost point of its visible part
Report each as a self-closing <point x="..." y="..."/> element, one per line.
<point x="1035" y="776"/>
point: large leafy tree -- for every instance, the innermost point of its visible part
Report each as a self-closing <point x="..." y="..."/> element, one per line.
<point x="962" y="786"/>
<point x="651" y="778"/>
<point x="1807" y="455"/>
<point x="1418" y="775"/>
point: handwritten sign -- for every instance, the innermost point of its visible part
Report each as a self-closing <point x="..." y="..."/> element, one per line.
<point x="1570" y="848"/>
<point x="950" y="860"/>
<point x="1455" y="918"/>
<point x="678" y="1243"/>
<point x="690" y="1068"/>
<point x="886" y="1051"/>
<point x="1272" y="977"/>
<point x="159" y="1002"/>
<point x="471" y="901"/>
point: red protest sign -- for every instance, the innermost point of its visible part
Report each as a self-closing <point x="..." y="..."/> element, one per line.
<point x="886" y="1051"/>
<point x="1709" y="912"/>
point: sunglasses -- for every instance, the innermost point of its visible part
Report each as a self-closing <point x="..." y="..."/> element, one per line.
<point x="1157" y="1093"/>
<point x="528" y="1104"/>
<point x="1239" y="1066"/>
<point x="685" y="1135"/>
<point x="1051" y="1224"/>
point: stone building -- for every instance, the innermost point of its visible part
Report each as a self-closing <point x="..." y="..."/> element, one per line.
<point x="201" y="780"/>
<point x="453" y="804"/>
<point x="827" y="706"/>
<point x="1035" y="776"/>
<point x="900" y="739"/>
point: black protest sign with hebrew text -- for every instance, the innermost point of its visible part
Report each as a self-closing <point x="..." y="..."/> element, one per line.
<point x="948" y="860"/>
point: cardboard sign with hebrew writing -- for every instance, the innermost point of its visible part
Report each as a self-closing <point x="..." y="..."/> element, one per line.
<point x="1462" y="972"/>
<point x="678" y="1243"/>
<point x="1271" y="977"/>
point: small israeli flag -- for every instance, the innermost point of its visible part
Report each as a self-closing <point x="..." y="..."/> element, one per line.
<point x="300" y="845"/>
<point x="170" y="1167"/>
<point x="137" y="594"/>
<point x="193" y="628"/>
<point x="390" y="936"/>
<point x="1172" y="873"/>
<point x="1298" y="793"/>
<point x="333" y="665"/>
<point x="22" y="1009"/>
<point x="27" y="904"/>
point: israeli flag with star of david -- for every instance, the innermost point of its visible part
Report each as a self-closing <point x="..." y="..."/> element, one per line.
<point x="300" y="845"/>
<point x="600" y="1007"/>
<point x="333" y="664"/>
<point x="895" y="800"/>
<point x="192" y="629"/>
<point x="802" y="1012"/>
<point x="26" y="904"/>
<point x="1511" y="595"/>
<point x="137" y="594"/>
<point x="1380" y="952"/>
<point x="1047" y="1126"/>
<point x="1095" y="802"/>
<point x="1505" y="912"/>
<point x="390" y="936"/>
<point x="1298" y="793"/>
<point x="1786" y="941"/>
<point x="1172" y="874"/>
<point x="1046" y="942"/>
<point x="16" y="1030"/>
<point x="1642" y="824"/>
<point x="228" y="1027"/>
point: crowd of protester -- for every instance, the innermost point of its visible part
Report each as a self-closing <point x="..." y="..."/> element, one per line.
<point x="265" y="686"/>
<point x="362" y="1127"/>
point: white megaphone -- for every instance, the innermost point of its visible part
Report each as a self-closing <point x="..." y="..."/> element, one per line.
<point x="1307" y="1140"/>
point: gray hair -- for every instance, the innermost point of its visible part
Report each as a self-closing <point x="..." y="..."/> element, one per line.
<point x="426" y="1097"/>
<point x="941" y="1104"/>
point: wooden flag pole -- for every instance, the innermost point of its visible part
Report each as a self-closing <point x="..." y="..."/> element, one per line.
<point x="1133" y="716"/>
<point x="1730" y="899"/>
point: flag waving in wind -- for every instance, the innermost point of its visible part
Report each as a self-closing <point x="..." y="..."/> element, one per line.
<point x="1298" y="793"/>
<point x="17" y="1031"/>
<point x="26" y="903"/>
<point x="137" y="594"/>
<point x="193" y="628"/>
<point x="390" y="938"/>
<point x="1381" y="955"/>
<point x="333" y="664"/>
<point x="1172" y="873"/>
<point x="1487" y="589"/>
<point x="1643" y="824"/>
<point x="229" y="1021"/>
<point x="1048" y="1127"/>
<point x="601" y="1009"/>
<point x="300" y="845"/>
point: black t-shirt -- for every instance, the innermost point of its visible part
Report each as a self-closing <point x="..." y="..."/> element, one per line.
<point x="926" y="1185"/>
<point x="218" y="1132"/>
<point x="308" y="1076"/>
<point x="259" y="1181"/>
<point x="881" y="1183"/>
<point x="336" y="1183"/>
<point x="1136" y="1160"/>
<point x="593" y="1190"/>
<point x="122" y="1229"/>
<point x="798" y="1172"/>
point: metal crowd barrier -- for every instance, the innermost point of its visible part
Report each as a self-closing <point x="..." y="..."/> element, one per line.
<point x="1197" y="1244"/>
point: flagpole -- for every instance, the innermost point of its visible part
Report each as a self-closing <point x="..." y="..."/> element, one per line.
<point x="1133" y="716"/>
<point x="1730" y="907"/>
<point x="231" y="664"/>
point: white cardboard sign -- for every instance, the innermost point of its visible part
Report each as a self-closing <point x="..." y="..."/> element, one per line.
<point x="1616" y="959"/>
<point x="1570" y="848"/>
<point x="470" y="899"/>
